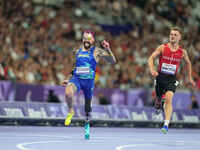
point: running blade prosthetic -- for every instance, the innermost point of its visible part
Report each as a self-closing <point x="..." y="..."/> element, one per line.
<point x="87" y="130"/>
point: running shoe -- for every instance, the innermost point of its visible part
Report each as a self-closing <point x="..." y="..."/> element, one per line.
<point x="69" y="118"/>
<point x="164" y="129"/>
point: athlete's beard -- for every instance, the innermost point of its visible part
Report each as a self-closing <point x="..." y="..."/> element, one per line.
<point x="86" y="44"/>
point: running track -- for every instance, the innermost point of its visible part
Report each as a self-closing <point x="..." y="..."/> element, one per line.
<point x="71" y="138"/>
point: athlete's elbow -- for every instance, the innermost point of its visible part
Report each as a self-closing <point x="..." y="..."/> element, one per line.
<point x="188" y="62"/>
<point x="111" y="60"/>
<point x="114" y="61"/>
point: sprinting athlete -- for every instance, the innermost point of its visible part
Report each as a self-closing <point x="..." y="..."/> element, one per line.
<point x="171" y="55"/>
<point x="83" y="74"/>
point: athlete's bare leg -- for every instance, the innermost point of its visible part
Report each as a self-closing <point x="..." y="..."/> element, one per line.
<point x="69" y="92"/>
<point x="168" y="106"/>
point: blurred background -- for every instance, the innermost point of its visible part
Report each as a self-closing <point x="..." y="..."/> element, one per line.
<point x="37" y="38"/>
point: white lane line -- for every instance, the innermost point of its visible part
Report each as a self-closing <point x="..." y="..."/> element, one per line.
<point x="177" y="143"/>
<point x="121" y="147"/>
<point x="21" y="146"/>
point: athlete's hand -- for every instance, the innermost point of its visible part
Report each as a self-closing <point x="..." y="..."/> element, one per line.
<point x="192" y="82"/>
<point x="64" y="83"/>
<point x="105" y="44"/>
<point x="154" y="73"/>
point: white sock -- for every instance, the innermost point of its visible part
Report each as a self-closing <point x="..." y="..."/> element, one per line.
<point x="166" y="122"/>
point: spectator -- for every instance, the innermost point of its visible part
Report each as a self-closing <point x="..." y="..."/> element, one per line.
<point x="3" y="71"/>
<point x="52" y="98"/>
<point x="36" y="41"/>
<point x="194" y="103"/>
<point x="103" y="100"/>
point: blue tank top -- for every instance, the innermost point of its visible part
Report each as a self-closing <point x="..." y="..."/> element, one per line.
<point x="85" y="64"/>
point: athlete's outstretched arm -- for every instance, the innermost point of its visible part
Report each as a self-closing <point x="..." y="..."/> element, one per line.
<point x="105" y="52"/>
<point x="188" y="67"/>
<point x="151" y="59"/>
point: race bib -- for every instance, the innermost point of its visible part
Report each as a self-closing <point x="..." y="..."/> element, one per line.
<point x="168" y="68"/>
<point x="82" y="70"/>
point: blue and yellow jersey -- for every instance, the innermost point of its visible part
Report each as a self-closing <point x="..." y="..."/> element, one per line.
<point x="85" y="65"/>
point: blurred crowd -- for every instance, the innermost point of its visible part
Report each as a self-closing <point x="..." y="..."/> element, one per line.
<point x="36" y="41"/>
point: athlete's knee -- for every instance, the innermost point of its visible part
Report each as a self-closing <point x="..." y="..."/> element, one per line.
<point x="168" y="102"/>
<point x="169" y="93"/>
<point x="69" y="91"/>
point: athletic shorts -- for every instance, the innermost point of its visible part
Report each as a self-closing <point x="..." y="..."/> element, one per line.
<point x="164" y="83"/>
<point x="86" y="85"/>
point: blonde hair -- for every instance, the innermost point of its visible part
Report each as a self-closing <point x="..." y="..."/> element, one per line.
<point x="176" y="29"/>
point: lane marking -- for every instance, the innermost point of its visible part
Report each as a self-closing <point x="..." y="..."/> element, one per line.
<point x="121" y="147"/>
<point x="21" y="146"/>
